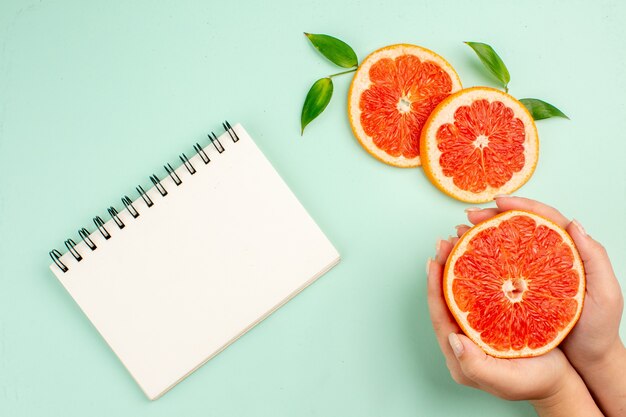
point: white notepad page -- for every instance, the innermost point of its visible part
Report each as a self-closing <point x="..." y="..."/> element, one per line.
<point x="199" y="268"/>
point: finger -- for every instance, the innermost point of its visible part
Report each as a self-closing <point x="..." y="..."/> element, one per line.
<point x="443" y="249"/>
<point x="457" y="375"/>
<point x="442" y="321"/>
<point x="475" y="364"/>
<point x="461" y="229"/>
<point x="520" y="203"/>
<point x="476" y="215"/>
<point x="496" y="376"/>
<point x="440" y="314"/>
<point x="601" y="280"/>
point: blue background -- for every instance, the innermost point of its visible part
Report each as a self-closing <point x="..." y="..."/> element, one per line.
<point x="95" y="96"/>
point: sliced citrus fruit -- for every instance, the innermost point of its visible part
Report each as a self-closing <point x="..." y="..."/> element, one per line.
<point x="515" y="284"/>
<point x="478" y="143"/>
<point x="391" y="96"/>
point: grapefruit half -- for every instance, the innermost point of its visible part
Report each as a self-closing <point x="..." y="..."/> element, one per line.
<point x="392" y="94"/>
<point x="515" y="284"/>
<point x="478" y="143"/>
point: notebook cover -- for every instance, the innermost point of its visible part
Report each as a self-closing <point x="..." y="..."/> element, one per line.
<point x="200" y="267"/>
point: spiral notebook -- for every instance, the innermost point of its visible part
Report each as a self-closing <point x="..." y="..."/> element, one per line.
<point x="195" y="261"/>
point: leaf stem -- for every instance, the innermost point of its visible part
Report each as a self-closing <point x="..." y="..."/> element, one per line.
<point x="344" y="72"/>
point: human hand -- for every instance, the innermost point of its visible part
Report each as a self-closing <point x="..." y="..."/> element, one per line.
<point x="595" y="338"/>
<point x="538" y="378"/>
<point x="549" y="382"/>
<point x="593" y="347"/>
<point x="597" y="331"/>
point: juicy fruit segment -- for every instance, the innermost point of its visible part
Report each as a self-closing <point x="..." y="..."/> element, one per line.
<point x="391" y="96"/>
<point x="515" y="284"/>
<point x="404" y="92"/>
<point x="484" y="146"/>
<point x="478" y="143"/>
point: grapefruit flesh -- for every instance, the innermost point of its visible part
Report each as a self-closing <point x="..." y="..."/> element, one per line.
<point x="515" y="284"/>
<point x="478" y="143"/>
<point x="391" y="96"/>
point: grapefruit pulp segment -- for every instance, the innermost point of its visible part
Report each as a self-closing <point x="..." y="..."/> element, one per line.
<point x="391" y="96"/>
<point x="478" y="143"/>
<point x="515" y="284"/>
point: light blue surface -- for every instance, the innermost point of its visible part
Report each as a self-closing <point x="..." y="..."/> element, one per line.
<point x="95" y="96"/>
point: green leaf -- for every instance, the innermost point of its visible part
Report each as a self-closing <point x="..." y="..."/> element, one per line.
<point x="539" y="109"/>
<point x="492" y="61"/>
<point x="316" y="101"/>
<point x="335" y="50"/>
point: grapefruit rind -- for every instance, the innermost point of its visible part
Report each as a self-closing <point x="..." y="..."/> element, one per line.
<point x="444" y="113"/>
<point x="361" y="82"/>
<point x="461" y="317"/>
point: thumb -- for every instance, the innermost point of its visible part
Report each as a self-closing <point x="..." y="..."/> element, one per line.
<point x="476" y="364"/>
<point x="601" y="280"/>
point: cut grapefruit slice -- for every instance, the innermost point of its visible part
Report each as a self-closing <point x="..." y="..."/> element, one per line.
<point x="392" y="94"/>
<point x="478" y="143"/>
<point x="515" y="284"/>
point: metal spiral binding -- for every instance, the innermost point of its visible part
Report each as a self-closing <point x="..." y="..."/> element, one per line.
<point x="215" y="140"/>
<point x="187" y="164"/>
<point x="129" y="206"/>
<point x="157" y="183"/>
<point x="56" y="255"/>
<point x="172" y="174"/>
<point x="203" y="155"/>
<point x="100" y="225"/>
<point x="231" y="131"/>
<point x="115" y="216"/>
<point x="84" y="234"/>
<point x="144" y="196"/>
<point x="70" y="245"/>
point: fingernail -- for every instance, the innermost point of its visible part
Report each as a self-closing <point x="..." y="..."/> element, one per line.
<point x="495" y="197"/>
<point x="455" y="344"/>
<point x="579" y="227"/>
<point x="438" y="247"/>
<point x="458" y="226"/>
<point x="472" y="209"/>
<point x="428" y="265"/>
